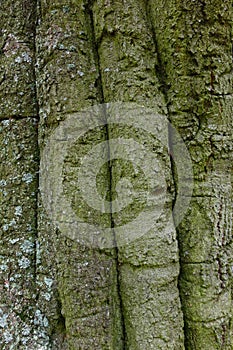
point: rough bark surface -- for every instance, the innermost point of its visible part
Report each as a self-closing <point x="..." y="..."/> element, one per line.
<point x="20" y="320"/>
<point x="172" y="287"/>
<point x="194" y="41"/>
<point x="148" y="265"/>
<point x="67" y="78"/>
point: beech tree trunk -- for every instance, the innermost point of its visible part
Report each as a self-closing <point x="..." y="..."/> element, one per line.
<point x="170" y="288"/>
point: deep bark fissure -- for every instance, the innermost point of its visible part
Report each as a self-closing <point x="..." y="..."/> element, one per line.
<point x="116" y="248"/>
<point x="107" y="133"/>
<point x="159" y="67"/>
<point x="37" y="146"/>
<point x="20" y="117"/>
<point x="160" y="71"/>
<point x="161" y="75"/>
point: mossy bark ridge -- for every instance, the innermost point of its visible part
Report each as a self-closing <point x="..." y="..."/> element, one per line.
<point x="172" y="286"/>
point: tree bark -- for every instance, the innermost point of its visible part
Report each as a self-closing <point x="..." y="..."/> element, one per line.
<point x="171" y="287"/>
<point x="195" y="46"/>
<point x="19" y="317"/>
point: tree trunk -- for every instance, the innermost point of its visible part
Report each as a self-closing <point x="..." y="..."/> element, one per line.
<point x="149" y="86"/>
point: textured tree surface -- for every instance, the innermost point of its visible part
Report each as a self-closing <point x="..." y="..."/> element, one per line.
<point x="172" y="287"/>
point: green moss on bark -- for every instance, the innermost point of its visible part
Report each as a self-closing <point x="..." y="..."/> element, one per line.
<point x="195" y="45"/>
<point x="128" y="57"/>
<point x="68" y="82"/>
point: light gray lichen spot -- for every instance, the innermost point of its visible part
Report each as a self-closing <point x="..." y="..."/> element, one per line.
<point x="3" y="320"/>
<point x="73" y="48"/>
<point x="3" y="267"/>
<point x="12" y="222"/>
<point x="18" y="210"/>
<point x="26" y="57"/>
<point x="47" y="296"/>
<point x="27" y="178"/>
<point x="71" y="66"/>
<point x="24" y="263"/>
<point x="38" y="253"/>
<point x="27" y="247"/>
<point x="7" y="337"/>
<point x="3" y="183"/>
<point x="29" y="227"/>
<point x="18" y="59"/>
<point x="6" y="122"/>
<point x="5" y="227"/>
<point x="14" y="240"/>
<point x="48" y="282"/>
<point x="24" y="340"/>
<point x="45" y="322"/>
<point x="26" y="330"/>
<point x="40" y="319"/>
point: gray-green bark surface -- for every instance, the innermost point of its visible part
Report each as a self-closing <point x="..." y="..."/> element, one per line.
<point x="194" y="41"/>
<point x="148" y="265"/>
<point x="67" y="82"/>
<point x="172" y="287"/>
<point x="20" y="320"/>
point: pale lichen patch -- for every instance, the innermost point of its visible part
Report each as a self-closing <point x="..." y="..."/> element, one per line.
<point x="28" y="177"/>
<point x="3" y="183"/>
<point x="24" y="263"/>
<point x="27" y="247"/>
<point x="48" y="282"/>
<point x="3" y="319"/>
<point x="18" y="210"/>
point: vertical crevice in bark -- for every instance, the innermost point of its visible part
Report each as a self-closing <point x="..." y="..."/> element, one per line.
<point x="38" y="153"/>
<point x="58" y="336"/>
<point x="159" y="67"/>
<point x="127" y="63"/>
<point x="199" y="75"/>
<point x="116" y="249"/>
<point x="68" y="83"/>
<point x="160" y="70"/>
<point x="105" y="116"/>
<point x="164" y="87"/>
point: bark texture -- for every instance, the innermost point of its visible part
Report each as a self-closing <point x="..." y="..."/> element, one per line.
<point x="20" y="320"/>
<point x="195" y="45"/>
<point x="172" y="287"/>
<point x="68" y="81"/>
<point x="149" y="265"/>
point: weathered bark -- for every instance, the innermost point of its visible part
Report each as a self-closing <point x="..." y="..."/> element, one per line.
<point x="194" y="41"/>
<point x="149" y="265"/>
<point x="167" y="57"/>
<point x="68" y="81"/>
<point x="19" y="318"/>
